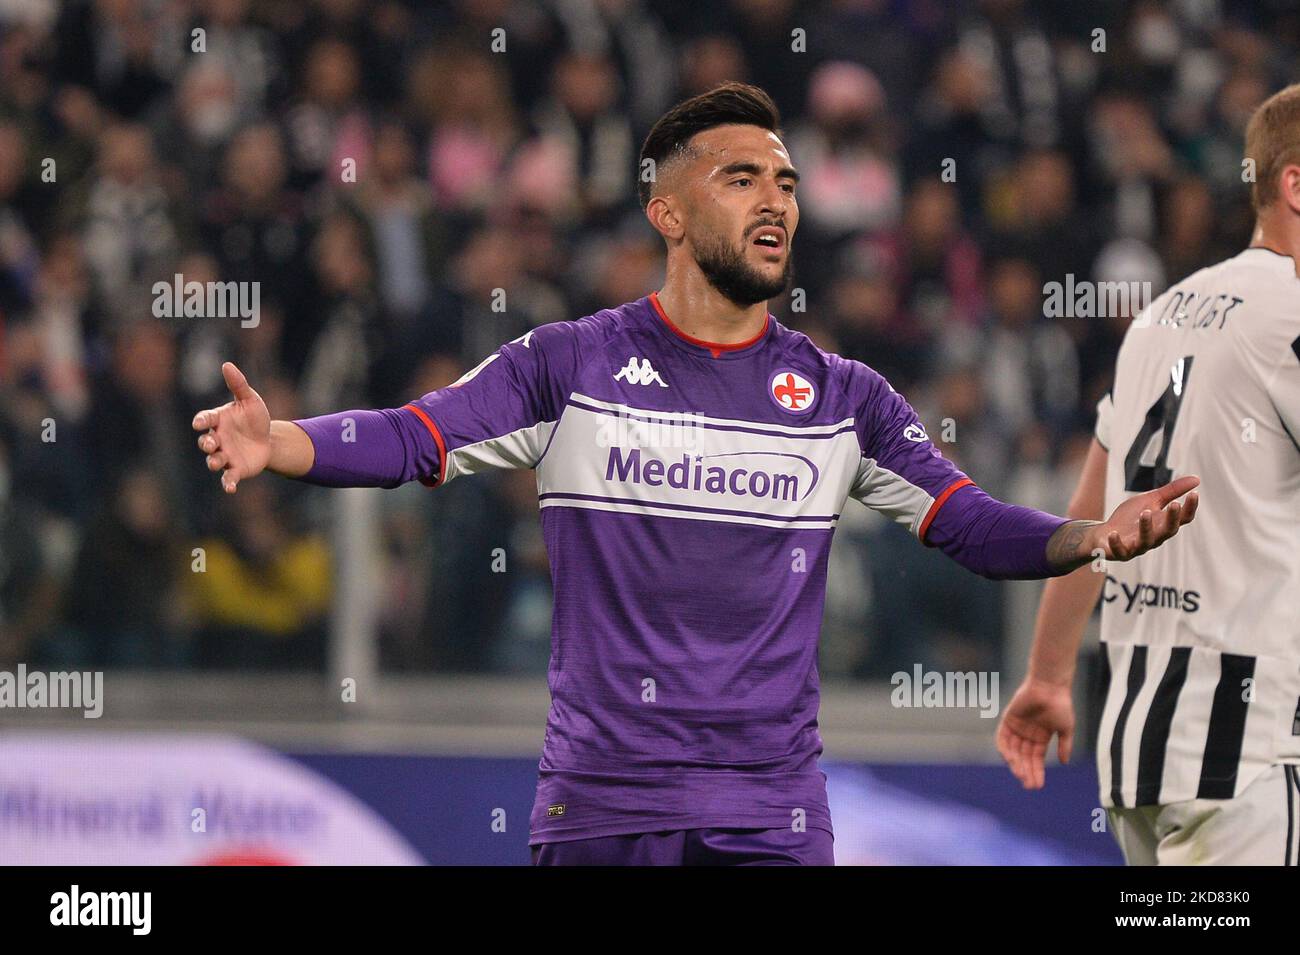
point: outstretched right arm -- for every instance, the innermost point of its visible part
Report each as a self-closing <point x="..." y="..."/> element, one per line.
<point x="383" y="448"/>
<point x="499" y="415"/>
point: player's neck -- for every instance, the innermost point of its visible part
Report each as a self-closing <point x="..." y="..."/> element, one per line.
<point x="1278" y="234"/>
<point x="702" y="312"/>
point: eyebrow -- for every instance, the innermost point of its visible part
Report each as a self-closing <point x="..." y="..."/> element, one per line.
<point x="753" y="168"/>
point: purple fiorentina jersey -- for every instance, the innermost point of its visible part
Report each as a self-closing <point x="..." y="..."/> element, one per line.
<point x="688" y="497"/>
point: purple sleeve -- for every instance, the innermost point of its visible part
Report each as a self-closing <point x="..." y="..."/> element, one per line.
<point x="904" y="476"/>
<point x="383" y="448"/>
<point x="495" y="416"/>
<point x="994" y="539"/>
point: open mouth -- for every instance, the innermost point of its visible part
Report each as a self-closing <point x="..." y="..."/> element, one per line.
<point x="770" y="239"/>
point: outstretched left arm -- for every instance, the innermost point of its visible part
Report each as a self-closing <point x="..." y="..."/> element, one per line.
<point x="1140" y="524"/>
<point x="1005" y="541"/>
<point x="903" y="475"/>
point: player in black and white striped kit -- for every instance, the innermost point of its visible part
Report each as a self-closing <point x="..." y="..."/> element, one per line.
<point x="1199" y="739"/>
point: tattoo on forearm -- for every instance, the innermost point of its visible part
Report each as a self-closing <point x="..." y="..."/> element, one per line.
<point x="1065" y="546"/>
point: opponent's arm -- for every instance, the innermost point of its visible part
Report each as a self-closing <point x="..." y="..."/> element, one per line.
<point x="1068" y="600"/>
<point x="1042" y="706"/>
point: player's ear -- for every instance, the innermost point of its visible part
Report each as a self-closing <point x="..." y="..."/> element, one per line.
<point x="664" y="215"/>
<point x="1289" y="186"/>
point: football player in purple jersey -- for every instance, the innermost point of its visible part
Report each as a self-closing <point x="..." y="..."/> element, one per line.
<point x="692" y="458"/>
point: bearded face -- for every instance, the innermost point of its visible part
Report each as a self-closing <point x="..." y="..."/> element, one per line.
<point x="728" y="268"/>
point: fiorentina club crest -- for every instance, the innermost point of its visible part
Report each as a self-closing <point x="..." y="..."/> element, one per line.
<point x="793" y="392"/>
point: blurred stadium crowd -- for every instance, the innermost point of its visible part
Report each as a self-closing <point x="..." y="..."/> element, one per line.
<point x="479" y="170"/>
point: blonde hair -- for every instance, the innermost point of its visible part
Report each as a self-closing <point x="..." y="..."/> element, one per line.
<point x="1273" y="142"/>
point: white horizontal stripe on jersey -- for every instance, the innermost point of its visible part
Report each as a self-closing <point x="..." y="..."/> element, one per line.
<point x="517" y="449"/>
<point x="892" y="494"/>
<point x="649" y="510"/>
<point x="707" y="419"/>
<point x="614" y="457"/>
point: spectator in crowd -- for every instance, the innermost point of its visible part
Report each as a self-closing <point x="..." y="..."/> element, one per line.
<point x="349" y="318"/>
<point x="408" y="232"/>
<point x="463" y="100"/>
<point x="849" y="179"/>
<point x="128" y="226"/>
<point x="933" y="263"/>
<point x="28" y="589"/>
<point x="582" y="116"/>
<point x="127" y="608"/>
<point x="204" y="115"/>
<point x="259" y="230"/>
<point x="134" y="415"/>
<point x="1027" y="360"/>
<point x="951" y="136"/>
<point x="19" y="253"/>
<point x="261" y="596"/>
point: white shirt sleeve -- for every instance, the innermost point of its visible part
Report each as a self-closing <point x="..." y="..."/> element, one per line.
<point x="1284" y="390"/>
<point x="1105" y="410"/>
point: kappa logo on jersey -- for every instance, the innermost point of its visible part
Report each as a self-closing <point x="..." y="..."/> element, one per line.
<point x="792" y="392"/>
<point x="642" y="374"/>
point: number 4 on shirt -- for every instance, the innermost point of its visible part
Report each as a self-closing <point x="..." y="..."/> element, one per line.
<point x="1161" y="417"/>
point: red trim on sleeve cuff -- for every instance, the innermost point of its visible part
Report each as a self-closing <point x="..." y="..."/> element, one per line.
<point x="437" y="439"/>
<point x="939" y="501"/>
